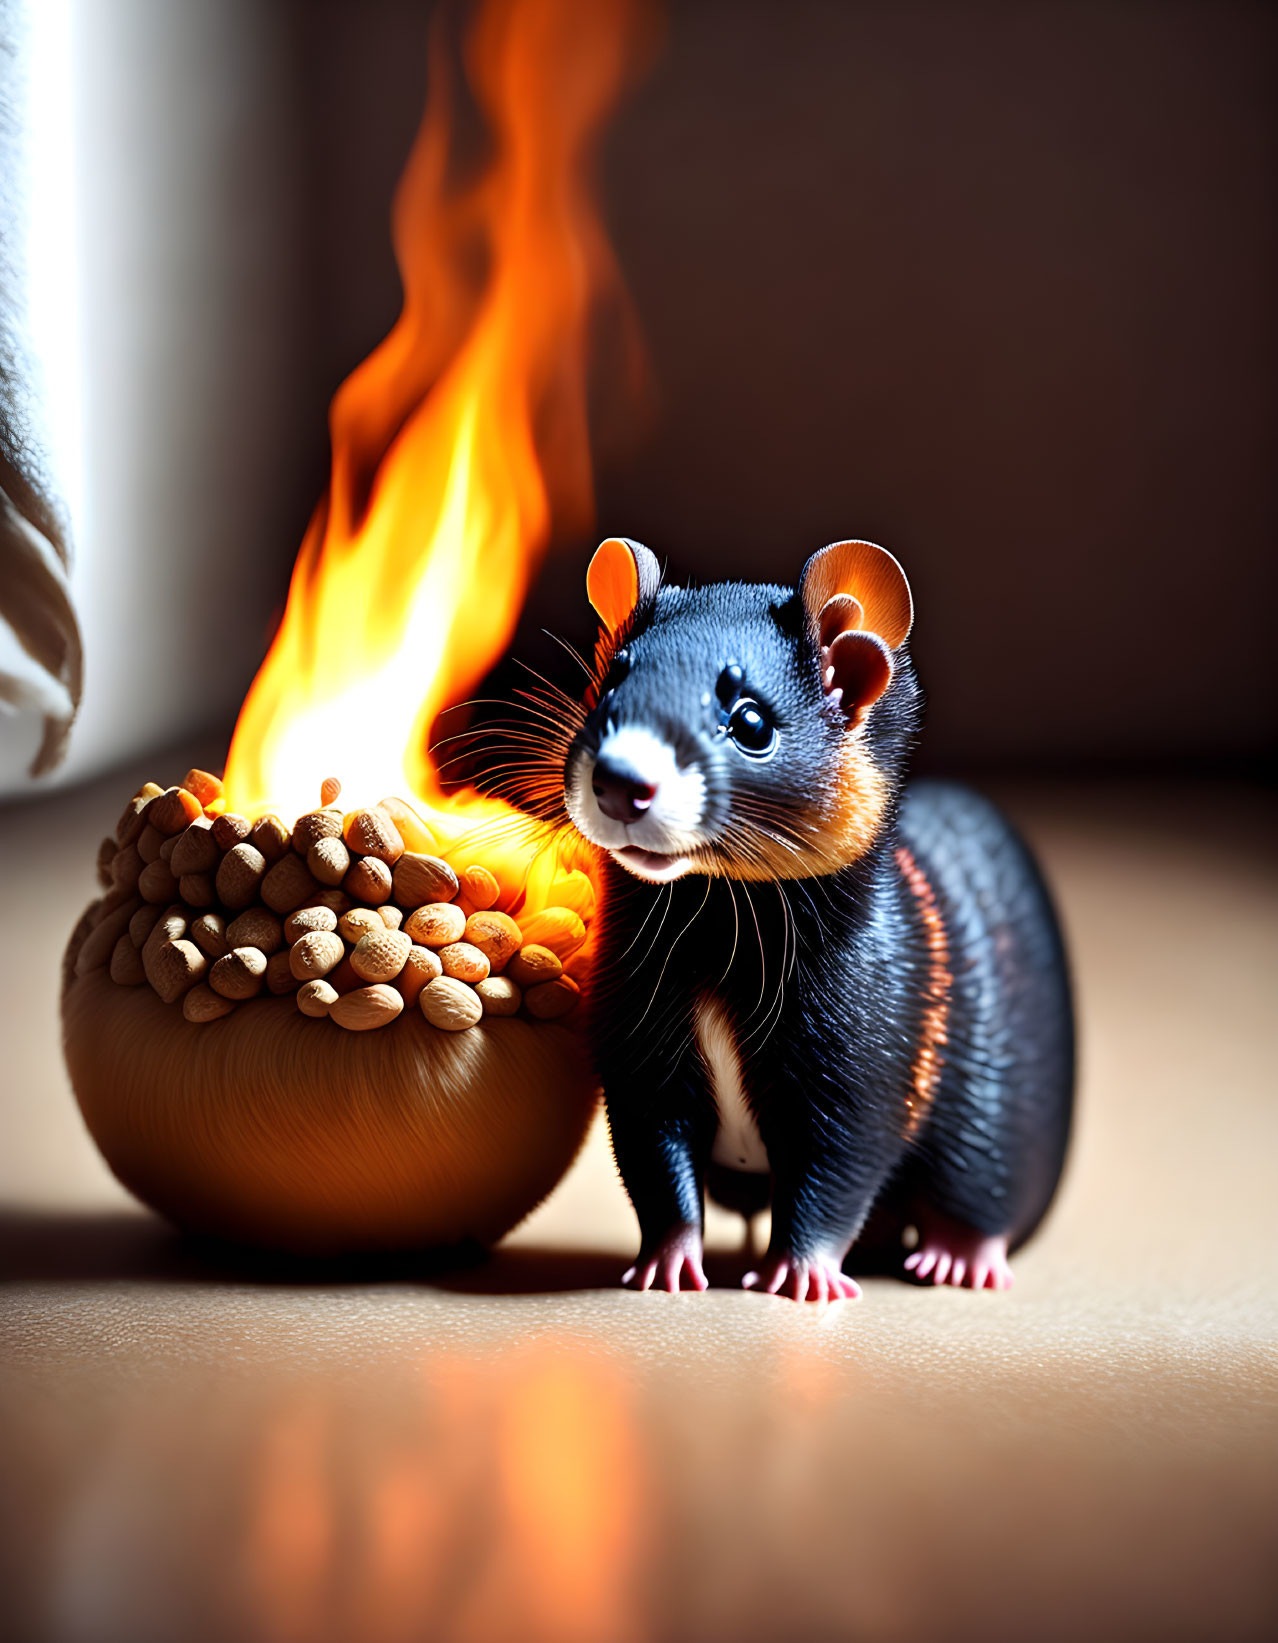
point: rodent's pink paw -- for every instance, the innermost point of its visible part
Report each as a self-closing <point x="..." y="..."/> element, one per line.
<point x="679" y="1252"/>
<point x="810" y="1278"/>
<point x="949" y="1253"/>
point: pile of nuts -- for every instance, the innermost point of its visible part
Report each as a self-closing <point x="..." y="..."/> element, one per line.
<point x="214" y="909"/>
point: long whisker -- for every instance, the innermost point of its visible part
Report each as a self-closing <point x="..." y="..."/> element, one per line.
<point x="572" y="651"/>
<point x="497" y="701"/>
<point x="553" y="692"/>
<point x="656" y="902"/>
<point x="736" y="932"/>
<point x="670" y="954"/>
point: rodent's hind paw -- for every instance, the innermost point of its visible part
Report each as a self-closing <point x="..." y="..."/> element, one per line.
<point x="803" y="1278"/>
<point x="679" y="1252"/>
<point x="950" y="1253"/>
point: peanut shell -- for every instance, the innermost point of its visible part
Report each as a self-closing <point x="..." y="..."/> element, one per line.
<point x="500" y="995"/>
<point x="373" y="833"/>
<point x="421" y="966"/>
<point x="157" y="884"/>
<point x="287" y="885"/>
<point x="435" y="925"/>
<point x="369" y="880"/>
<point x="195" y="850"/>
<point x="419" y="879"/>
<point x="148" y="844"/>
<point x="329" y="861"/>
<point x="142" y="923"/>
<point x="208" y="932"/>
<point x="198" y="889"/>
<point x="464" y="962"/>
<point x="380" y="956"/>
<point x="133" y="820"/>
<point x="533" y="964"/>
<point x="230" y="829"/>
<point x="450" y="1004"/>
<point x="481" y="887"/>
<point x="269" y="835"/>
<point x="314" y="826"/>
<point x="360" y="921"/>
<point x="496" y="935"/>
<point x="256" y="928"/>
<point x="315" y="954"/>
<point x="315" y="998"/>
<point x="239" y="974"/>
<point x="203" y="1004"/>
<point x="174" y="967"/>
<point x="306" y="919"/>
<point x="171" y="926"/>
<point x="366" y="1008"/>
<point x="239" y="878"/>
<point x="174" y="810"/>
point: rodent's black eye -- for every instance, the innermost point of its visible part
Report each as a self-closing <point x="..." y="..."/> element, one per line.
<point x="751" y="729"/>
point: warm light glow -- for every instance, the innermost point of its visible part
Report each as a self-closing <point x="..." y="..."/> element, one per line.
<point x="460" y="444"/>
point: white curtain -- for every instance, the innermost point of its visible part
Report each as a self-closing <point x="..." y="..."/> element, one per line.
<point x="149" y="284"/>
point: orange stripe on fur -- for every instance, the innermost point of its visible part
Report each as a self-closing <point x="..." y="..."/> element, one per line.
<point x="925" y="1074"/>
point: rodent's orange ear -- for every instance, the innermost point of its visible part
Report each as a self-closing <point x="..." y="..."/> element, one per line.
<point x="871" y="578"/>
<point x="622" y="576"/>
<point x="859" y="666"/>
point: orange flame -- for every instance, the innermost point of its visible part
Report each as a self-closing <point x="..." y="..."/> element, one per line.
<point x="461" y="441"/>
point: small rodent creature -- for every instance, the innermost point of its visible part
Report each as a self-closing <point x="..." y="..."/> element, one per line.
<point x="815" y="985"/>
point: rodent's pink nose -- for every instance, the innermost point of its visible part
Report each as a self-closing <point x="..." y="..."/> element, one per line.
<point x="619" y="792"/>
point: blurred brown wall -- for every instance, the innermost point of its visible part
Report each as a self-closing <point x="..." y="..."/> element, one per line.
<point x="991" y="284"/>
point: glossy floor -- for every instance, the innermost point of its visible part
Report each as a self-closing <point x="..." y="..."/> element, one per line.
<point x="199" y="1447"/>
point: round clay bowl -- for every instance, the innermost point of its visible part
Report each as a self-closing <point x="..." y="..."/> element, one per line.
<point x="276" y="1129"/>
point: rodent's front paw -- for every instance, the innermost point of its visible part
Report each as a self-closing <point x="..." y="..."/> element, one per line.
<point x="803" y="1278"/>
<point x="663" y="1267"/>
